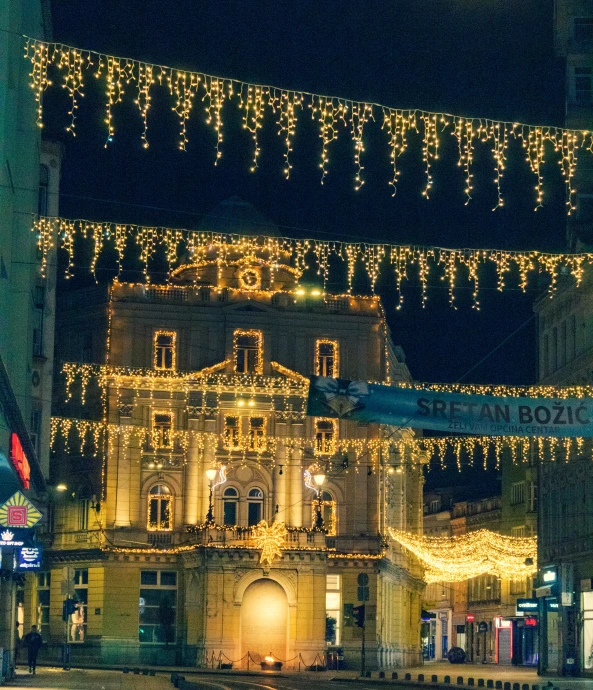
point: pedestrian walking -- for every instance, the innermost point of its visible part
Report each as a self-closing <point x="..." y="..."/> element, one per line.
<point x="32" y="641"/>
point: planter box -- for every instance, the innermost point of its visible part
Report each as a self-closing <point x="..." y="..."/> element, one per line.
<point x="271" y="666"/>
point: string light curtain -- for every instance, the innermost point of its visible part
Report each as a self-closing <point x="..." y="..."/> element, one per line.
<point x="451" y="265"/>
<point x="128" y="80"/>
<point x="455" y="559"/>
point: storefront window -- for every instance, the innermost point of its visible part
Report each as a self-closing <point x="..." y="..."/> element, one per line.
<point x="157" y="607"/>
<point x="333" y="610"/>
<point x="587" y="613"/>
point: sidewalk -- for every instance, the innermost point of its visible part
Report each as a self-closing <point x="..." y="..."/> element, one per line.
<point x="87" y="679"/>
<point x="512" y="674"/>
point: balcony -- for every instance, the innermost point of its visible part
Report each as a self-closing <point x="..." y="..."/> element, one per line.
<point x="243" y="536"/>
<point x="80" y="539"/>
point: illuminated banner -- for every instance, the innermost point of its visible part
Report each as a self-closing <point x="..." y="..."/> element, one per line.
<point x="29" y="558"/>
<point x="19" y="460"/>
<point x="485" y="415"/>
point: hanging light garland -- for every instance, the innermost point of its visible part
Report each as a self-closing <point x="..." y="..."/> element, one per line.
<point x="455" y="559"/>
<point x="78" y="434"/>
<point x="127" y="79"/>
<point x="373" y="259"/>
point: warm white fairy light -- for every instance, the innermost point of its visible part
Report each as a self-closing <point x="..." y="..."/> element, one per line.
<point x="455" y="559"/>
<point x="126" y="78"/>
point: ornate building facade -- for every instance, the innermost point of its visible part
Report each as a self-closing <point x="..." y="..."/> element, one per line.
<point x="189" y="430"/>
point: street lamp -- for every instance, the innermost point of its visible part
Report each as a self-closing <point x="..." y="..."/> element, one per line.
<point x="319" y="479"/>
<point x="211" y="473"/>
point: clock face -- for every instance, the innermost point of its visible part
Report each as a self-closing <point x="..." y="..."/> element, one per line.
<point x="249" y="278"/>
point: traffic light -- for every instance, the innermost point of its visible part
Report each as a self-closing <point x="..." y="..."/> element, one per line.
<point x="358" y="612"/>
<point x="68" y="608"/>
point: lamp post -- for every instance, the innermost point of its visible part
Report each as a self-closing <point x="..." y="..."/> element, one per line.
<point x="319" y="479"/>
<point x="211" y="473"/>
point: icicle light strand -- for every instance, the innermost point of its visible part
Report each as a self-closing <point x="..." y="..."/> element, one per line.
<point x="134" y="80"/>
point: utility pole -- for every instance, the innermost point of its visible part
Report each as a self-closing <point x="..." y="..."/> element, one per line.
<point x="360" y="615"/>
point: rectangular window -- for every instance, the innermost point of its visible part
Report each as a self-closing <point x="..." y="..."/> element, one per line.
<point x="583" y="77"/>
<point x="232" y="435"/>
<point x="83" y="514"/>
<point x="257" y="433"/>
<point x="583" y="28"/>
<point x="333" y="609"/>
<point x="43" y="589"/>
<point x="518" y="587"/>
<point x="230" y="512"/>
<point x="165" y="355"/>
<point x="532" y="497"/>
<point x="162" y="429"/>
<point x="520" y="531"/>
<point x="157" y="612"/>
<point x="325" y="436"/>
<point x="517" y="493"/>
<point x="254" y="512"/>
<point x="78" y="619"/>
<point x="327" y="358"/>
<point x="248" y="351"/>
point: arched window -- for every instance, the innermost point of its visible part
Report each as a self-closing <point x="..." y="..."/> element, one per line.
<point x="160" y="508"/>
<point x="328" y="512"/>
<point x="255" y="506"/>
<point x="230" y="499"/>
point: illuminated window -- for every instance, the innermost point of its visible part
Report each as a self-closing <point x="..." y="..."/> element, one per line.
<point x="327" y="358"/>
<point x="77" y="627"/>
<point x="230" y="499"/>
<point x="160" y="508"/>
<point x="157" y="606"/>
<point x="248" y="351"/>
<point x="162" y="429"/>
<point x="333" y="609"/>
<point x="165" y="355"/>
<point x="325" y="436"/>
<point x="232" y="436"/>
<point x="328" y="512"/>
<point x="255" y="506"/>
<point x="43" y="597"/>
<point x="257" y="433"/>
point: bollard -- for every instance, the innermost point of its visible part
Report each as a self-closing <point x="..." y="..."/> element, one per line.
<point x="459" y="680"/>
<point x="434" y="679"/>
<point x="408" y="676"/>
<point x="447" y="679"/>
<point x="173" y="677"/>
<point x="489" y="683"/>
<point x="394" y="675"/>
<point x="381" y="674"/>
<point x="480" y="682"/>
<point x="421" y="676"/>
<point x="470" y="681"/>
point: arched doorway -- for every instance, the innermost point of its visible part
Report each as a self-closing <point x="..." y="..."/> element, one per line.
<point x="264" y="620"/>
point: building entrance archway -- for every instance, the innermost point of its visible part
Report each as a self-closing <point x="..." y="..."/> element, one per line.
<point x="264" y="620"/>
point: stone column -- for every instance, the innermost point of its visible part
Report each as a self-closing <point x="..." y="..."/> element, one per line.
<point x="122" y="492"/>
<point x="191" y="506"/>
<point x="296" y="480"/>
<point x="279" y="477"/>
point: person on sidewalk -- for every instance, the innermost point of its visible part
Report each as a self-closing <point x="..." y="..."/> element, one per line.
<point x="32" y="641"/>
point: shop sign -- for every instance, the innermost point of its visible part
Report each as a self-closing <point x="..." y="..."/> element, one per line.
<point x="18" y="512"/>
<point x="482" y="627"/>
<point x="29" y="558"/>
<point x="19" y="460"/>
<point x="470" y="618"/>
<point x="552" y="605"/>
<point x="9" y="538"/>
<point x="526" y="606"/>
<point x="531" y="622"/>
<point x="549" y="576"/>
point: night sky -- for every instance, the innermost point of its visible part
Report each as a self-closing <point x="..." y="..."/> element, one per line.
<point x="490" y="58"/>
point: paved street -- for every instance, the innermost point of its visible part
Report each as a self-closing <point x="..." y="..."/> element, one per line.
<point x="88" y="679"/>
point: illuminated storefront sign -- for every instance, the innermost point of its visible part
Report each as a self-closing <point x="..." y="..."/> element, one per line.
<point x="19" y="512"/>
<point x="526" y="606"/>
<point x="19" y="460"/>
<point x="29" y="558"/>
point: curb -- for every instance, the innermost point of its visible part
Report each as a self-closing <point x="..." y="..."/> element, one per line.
<point x="447" y="683"/>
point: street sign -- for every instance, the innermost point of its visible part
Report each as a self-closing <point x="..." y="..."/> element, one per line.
<point x="19" y="512"/>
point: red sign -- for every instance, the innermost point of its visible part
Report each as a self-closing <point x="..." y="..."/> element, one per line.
<point x="531" y="622"/>
<point x="470" y="618"/>
<point x="19" y="460"/>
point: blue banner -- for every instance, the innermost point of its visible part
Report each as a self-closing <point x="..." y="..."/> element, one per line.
<point x="482" y="415"/>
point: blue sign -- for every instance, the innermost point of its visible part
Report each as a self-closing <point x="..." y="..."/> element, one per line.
<point x="449" y="411"/>
<point x="29" y="558"/>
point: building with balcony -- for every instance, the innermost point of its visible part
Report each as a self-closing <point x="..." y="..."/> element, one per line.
<point x="179" y="427"/>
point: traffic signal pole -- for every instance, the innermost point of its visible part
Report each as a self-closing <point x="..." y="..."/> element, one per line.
<point x="363" y="650"/>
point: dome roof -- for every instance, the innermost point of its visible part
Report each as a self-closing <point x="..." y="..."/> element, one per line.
<point x="237" y="216"/>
